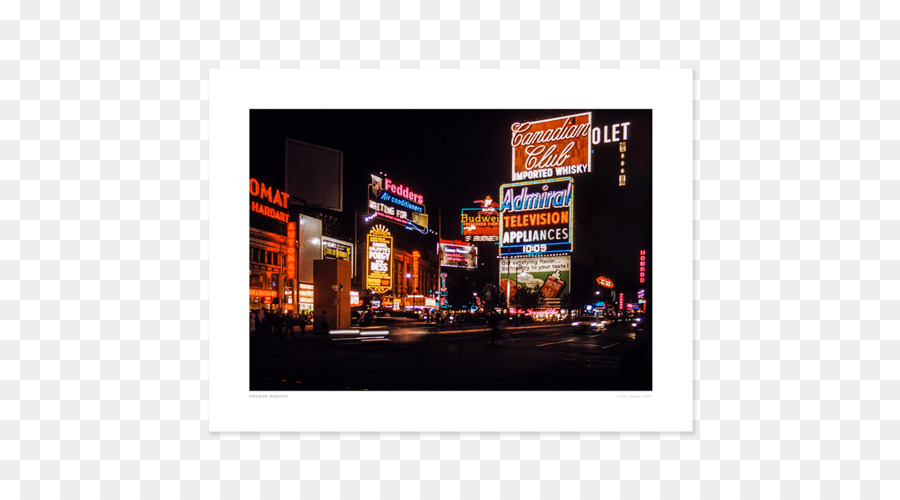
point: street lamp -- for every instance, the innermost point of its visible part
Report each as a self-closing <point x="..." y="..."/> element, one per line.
<point x="338" y="289"/>
<point x="519" y="292"/>
<point x="519" y="274"/>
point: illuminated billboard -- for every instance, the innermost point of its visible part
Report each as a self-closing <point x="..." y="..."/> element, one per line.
<point x="456" y="255"/>
<point x="338" y="250"/>
<point x="549" y="276"/>
<point x="536" y="217"/>
<point x="305" y="295"/>
<point x="478" y="227"/>
<point x="379" y="245"/>
<point x="553" y="147"/>
<point x="259" y="191"/>
<point x="604" y="282"/>
<point x="396" y="202"/>
<point x="481" y="224"/>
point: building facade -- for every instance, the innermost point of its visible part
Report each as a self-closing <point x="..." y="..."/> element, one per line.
<point x="268" y="282"/>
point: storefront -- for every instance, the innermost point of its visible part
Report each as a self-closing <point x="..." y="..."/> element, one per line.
<point x="268" y="287"/>
<point x="272" y="249"/>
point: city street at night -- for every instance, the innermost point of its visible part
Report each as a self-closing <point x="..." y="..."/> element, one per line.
<point x="532" y="223"/>
<point x="530" y="357"/>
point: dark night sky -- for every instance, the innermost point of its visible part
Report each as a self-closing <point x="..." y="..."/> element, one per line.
<point x="454" y="157"/>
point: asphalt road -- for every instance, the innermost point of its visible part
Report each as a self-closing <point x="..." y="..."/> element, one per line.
<point x="532" y="358"/>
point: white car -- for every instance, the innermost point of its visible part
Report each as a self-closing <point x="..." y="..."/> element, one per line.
<point x="587" y="324"/>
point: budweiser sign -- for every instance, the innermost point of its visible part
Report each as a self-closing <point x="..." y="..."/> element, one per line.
<point x="551" y="148"/>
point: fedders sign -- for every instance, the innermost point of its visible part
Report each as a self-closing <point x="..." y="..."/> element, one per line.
<point x="551" y="148"/>
<point x="396" y="202"/>
<point x="402" y="191"/>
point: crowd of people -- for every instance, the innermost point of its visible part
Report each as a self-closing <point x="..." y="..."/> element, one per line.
<point x="284" y="325"/>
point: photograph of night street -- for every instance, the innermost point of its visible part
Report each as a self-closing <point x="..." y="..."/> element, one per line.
<point x="451" y="250"/>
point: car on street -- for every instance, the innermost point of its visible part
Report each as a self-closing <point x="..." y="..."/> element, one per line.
<point x="588" y="324"/>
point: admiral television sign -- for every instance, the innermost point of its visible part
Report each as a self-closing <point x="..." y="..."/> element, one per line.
<point x="536" y="217"/>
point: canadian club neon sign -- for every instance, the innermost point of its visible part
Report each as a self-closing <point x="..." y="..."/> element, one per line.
<point x="559" y="146"/>
<point x="552" y="147"/>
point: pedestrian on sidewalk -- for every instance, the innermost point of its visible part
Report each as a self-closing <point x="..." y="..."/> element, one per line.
<point x="289" y="324"/>
<point x="325" y="327"/>
<point x="261" y="323"/>
<point x="277" y="325"/>
<point x="303" y="321"/>
<point x="252" y="324"/>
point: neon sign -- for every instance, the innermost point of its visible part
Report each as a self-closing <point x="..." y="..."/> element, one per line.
<point x="604" y="282"/>
<point x="642" y="273"/>
<point x="263" y="192"/>
<point x="488" y="205"/>
<point x="396" y="202"/>
<point x="404" y="191"/>
<point x="521" y="200"/>
<point x="552" y="147"/>
<point x="477" y="226"/>
<point x="536" y="217"/>
<point x="291" y="256"/>
<point x="379" y="242"/>
<point x="305" y="293"/>
<point x="415" y="274"/>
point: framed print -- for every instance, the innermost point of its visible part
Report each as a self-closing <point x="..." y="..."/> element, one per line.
<point x="450" y="250"/>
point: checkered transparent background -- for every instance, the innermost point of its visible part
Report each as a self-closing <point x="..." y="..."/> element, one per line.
<point x="104" y="226"/>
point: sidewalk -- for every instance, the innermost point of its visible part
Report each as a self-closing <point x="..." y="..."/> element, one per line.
<point x="306" y="337"/>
